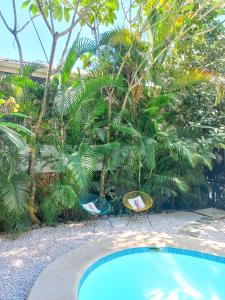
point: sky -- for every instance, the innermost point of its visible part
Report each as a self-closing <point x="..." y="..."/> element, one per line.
<point x="32" y="50"/>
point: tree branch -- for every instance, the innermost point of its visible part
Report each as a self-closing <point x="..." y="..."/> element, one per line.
<point x="27" y="23"/>
<point x="44" y="17"/>
<point x="66" y="47"/>
<point x="4" y="21"/>
<point x="51" y="17"/>
<point x="62" y="33"/>
<point x="14" y="32"/>
<point x="15" y="15"/>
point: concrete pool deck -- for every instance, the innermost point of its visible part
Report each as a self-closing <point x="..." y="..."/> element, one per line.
<point x="22" y="260"/>
<point x="61" y="279"/>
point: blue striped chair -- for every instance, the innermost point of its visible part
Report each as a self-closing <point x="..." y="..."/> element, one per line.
<point x="95" y="207"/>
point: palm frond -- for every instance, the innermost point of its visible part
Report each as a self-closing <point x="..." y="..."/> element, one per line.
<point x="29" y="69"/>
<point x="16" y="127"/>
<point x="193" y="77"/>
<point x="147" y="150"/>
<point x="107" y="36"/>
<point x="106" y="149"/>
<point x="161" y="180"/>
<point x="14" y="137"/>
<point x="8" y="160"/>
<point x="15" y="192"/>
<point x="128" y="130"/>
<point x="180" y="150"/>
<point x="68" y="101"/>
<point x="89" y="88"/>
<point x="79" y="47"/>
<point x="64" y="100"/>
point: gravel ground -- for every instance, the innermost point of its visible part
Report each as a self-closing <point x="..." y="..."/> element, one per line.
<point x="22" y="260"/>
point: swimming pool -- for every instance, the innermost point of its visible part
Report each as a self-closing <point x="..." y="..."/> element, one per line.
<point x="155" y="274"/>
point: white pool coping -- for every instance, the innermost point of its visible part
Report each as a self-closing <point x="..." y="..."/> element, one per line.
<point x="60" y="280"/>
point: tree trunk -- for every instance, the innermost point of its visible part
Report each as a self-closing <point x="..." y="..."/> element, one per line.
<point x="19" y="50"/>
<point x="102" y="180"/>
<point x="31" y="203"/>
<point x="104" y="163"/>
<point x="139" y="174"/>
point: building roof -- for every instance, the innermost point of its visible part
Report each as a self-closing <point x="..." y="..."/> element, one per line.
<point x="11" y="66"/>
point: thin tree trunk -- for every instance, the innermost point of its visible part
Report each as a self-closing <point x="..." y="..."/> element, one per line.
<point x="31" y="204"/>
<point x="104" y="163"/>
<point x="139" y="174"/>
<point x="19" y="50"/>
<point x="102" y="180"/>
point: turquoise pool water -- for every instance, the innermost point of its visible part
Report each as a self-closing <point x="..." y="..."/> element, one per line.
<point x="156" y="274"/>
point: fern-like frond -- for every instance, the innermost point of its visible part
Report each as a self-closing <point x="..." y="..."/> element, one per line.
<point x="15" y="192"/>
<point x="64" y="100"/>
<point x="128" y="130"/>
<point x="161" y="180"/>
<point x="193" y="77"/>
<point x="12" y="136"/>
<point x="79" y="47"/>
<point x="106" y="149"/>
<point x="29" y="69"/>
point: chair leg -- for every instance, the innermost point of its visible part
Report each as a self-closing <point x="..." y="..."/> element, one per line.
<point x="109" y="221"/>
<point x="94" y="220"/>
<point x="86" y="222"/>
<point x="150" y="223"/>
<point x="129" y="215"/>
<point x="136" y="217"/>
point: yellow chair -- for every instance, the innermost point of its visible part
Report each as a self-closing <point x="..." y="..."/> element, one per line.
<point x="147" y="201"/>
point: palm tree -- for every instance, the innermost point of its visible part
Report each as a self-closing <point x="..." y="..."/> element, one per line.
<point x="14" y="182"/>
<point x="137" y="119"/>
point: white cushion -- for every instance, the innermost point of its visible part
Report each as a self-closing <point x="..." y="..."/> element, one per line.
<point x="137" y="203"/>
<point x="91" y="207"/>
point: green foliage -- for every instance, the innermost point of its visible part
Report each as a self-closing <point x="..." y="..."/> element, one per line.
<point x="75" y="170"/>
<point x="14" y="189"/>
<point x="62" y="197"/>
<point x="148" y="113"/>
<point x="102" y="10"/>
<point x="15" y="193"/>
<point x="79" y="47"/>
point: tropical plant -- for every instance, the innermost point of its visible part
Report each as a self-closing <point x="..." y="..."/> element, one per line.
<point x="14" y="182"/>
<point x="146" y="114"/>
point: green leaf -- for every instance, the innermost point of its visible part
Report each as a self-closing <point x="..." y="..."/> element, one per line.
<point x="13" y="137"/>
<point x="15" y="193"/>
<point x="33" y="9"/>
<point x="20" y="115"/>
<point x="100" y="108"/>
<point x="106" y="149"/>
<point x="66" y="14"/>
<point x="46" y="10"/>
<point x="126" y="130"/>
<point x="16" y="127"/>
<point x="60" y="13"/>
<point x="25" y="4"/>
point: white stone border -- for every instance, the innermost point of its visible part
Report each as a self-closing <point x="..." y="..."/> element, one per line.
<point x="60" y="280"/>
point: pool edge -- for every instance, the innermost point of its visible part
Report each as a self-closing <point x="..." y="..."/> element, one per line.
<point x="60" y="280"/>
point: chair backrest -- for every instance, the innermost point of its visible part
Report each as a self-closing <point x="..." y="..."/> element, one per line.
<point x="137" y="201"/>
<point x="91" y="204"/>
